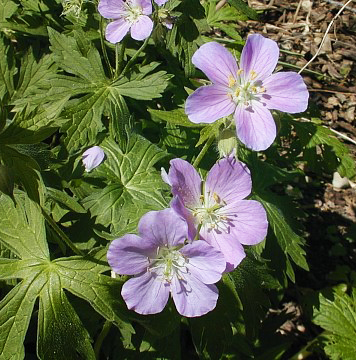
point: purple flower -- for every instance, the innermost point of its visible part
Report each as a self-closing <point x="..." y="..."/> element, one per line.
<point x="248" y="91"/>
<point x="160" y="2"/>
<point x="216" y="207"/>
<point x="92" y="157"/>
<point x="128" y="15"/>
<point x="164" y="264"/>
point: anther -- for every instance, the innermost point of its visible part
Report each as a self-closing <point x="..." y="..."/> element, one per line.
<point x="232" y="81"/>
<point x="240" y="71"/>
<point x="253" y="74"/>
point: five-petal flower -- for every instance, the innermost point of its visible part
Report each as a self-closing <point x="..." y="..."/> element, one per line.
<point x="216" y="209"/>
<point x="164" y="263"/>
<point x="128" y="15"/>
<point x="248" y="91"/>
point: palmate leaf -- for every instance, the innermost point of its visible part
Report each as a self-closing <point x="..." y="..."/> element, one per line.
<point x="7" y="69"/>
<point x="337" y="315"/>
<point x="78" y="56"/>
<point x="61" y="334"/>
<point x="136" y="187"/>
<point x="320" y="148"/>
<point x="250" y="279"/>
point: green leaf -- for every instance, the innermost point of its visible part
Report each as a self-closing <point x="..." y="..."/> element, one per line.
<point x="84" y="119"/>
<point x="290" y="243"/>
<point x="61" y="334"/>
<point x="25" y="170"/>
<point x="243" y="8"/>
<point x="137" y="186"/>
<point x="174" y="117"/>
<point x="7" y="69"/>
<point x="7" y="9"/>
<point x="77" y="56"/>
<point x="57" y="316"/>
<point x="64" y="199"/>
<point x="30" y="127"/>
<point x="150" y="87"/>
<point x="250" y="278"/>
<point x="322" y="150"/>
<point x="337" y="315"/>
<point x="22" y="228"/>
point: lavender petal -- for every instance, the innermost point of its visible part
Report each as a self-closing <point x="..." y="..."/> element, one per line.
<point x="255" y="126"/>
<point x="145" y="294"/>
<point x="286" y="91"/>
<point x="259" y="55"/>
<point x="142" y="28"/>
<point x="216" y="62"/>
<point x="208" y="104"/>
<point x="116" y="30"/>
<point x="229" y="179"/>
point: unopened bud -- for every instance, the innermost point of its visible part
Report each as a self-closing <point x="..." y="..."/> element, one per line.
<point x="227" y="142"/>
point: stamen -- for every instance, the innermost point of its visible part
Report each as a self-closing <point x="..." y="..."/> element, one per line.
<point x="253" y="74"/>
<point x="240" y="71"/>
<point x="237" y="92"/>
<point x="232" y="81"/>
<point x="261" y="89"/>
<point x="254" y="89"/>
<point x="216" y="198"/>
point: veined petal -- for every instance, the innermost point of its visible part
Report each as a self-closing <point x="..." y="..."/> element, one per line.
<point x="216" y="62"/>
<point x="116" y="30"/>
<point x="129" y="254"/>
<point x="142" y="28"/>
<point x="192" y="297"/>
<point x="255" y="126"/>
<point x="286" y="91"/>
<point x="145" y="294"/>
<point x="259" y="55"/>
<point x="164" y="227"/>
<point x="178" y="206"/>
<point x="112" y="9"/>
<point x="229" y="179"/>
<point x="92" y="157"/>
<point x="205" y="262"/>
<point x="226" y="243"/>
<point x="146" y="6"/>
<point x="185" y="182"/>
<point x="208" y="104"/>
<point x="248" y="221"/>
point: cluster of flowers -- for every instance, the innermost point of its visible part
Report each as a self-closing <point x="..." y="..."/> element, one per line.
<point x="184" y="250"/>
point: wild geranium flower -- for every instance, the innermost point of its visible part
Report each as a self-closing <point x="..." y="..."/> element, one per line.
<point x="160" y="2"/>
<point x="216" y="209"/>
<point x="92" y="158"/>
<point x="163" y="263"/>
<point x="128" y="15"/>
<point x="248" y="91"/>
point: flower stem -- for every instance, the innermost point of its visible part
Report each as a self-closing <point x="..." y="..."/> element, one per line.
<point x="203" y="151"/>
<point x="103" y="48"/>
<point x="133" y="59"/>
<point x="120" y="57"/>
<point x="60" y="233"/>
<point x="99" y="341"/>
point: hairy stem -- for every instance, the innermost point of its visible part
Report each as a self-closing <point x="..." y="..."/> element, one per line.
<point x="99" y="341"/>
<point x="133" y="59"/>
<point x="203" y="151"/>
<point x="103" y="48"/>
<point x="61" y="233"/>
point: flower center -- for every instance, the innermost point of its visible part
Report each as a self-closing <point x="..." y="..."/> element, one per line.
<point x="208" y="213"/>
<point x="133" y="12"/>
<point x="244" y="89"/>
<point x="168" y="263"/>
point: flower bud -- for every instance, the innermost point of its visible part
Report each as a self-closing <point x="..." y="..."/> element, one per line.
<point x="92" y="157"/>
<point x="227" y="142"/>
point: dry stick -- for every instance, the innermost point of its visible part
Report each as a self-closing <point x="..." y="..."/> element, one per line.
<point x="332" y="91"/>
<point x="324" y="37"/>
<point x="297" y="11"/>
<point x="220" y="4"/>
